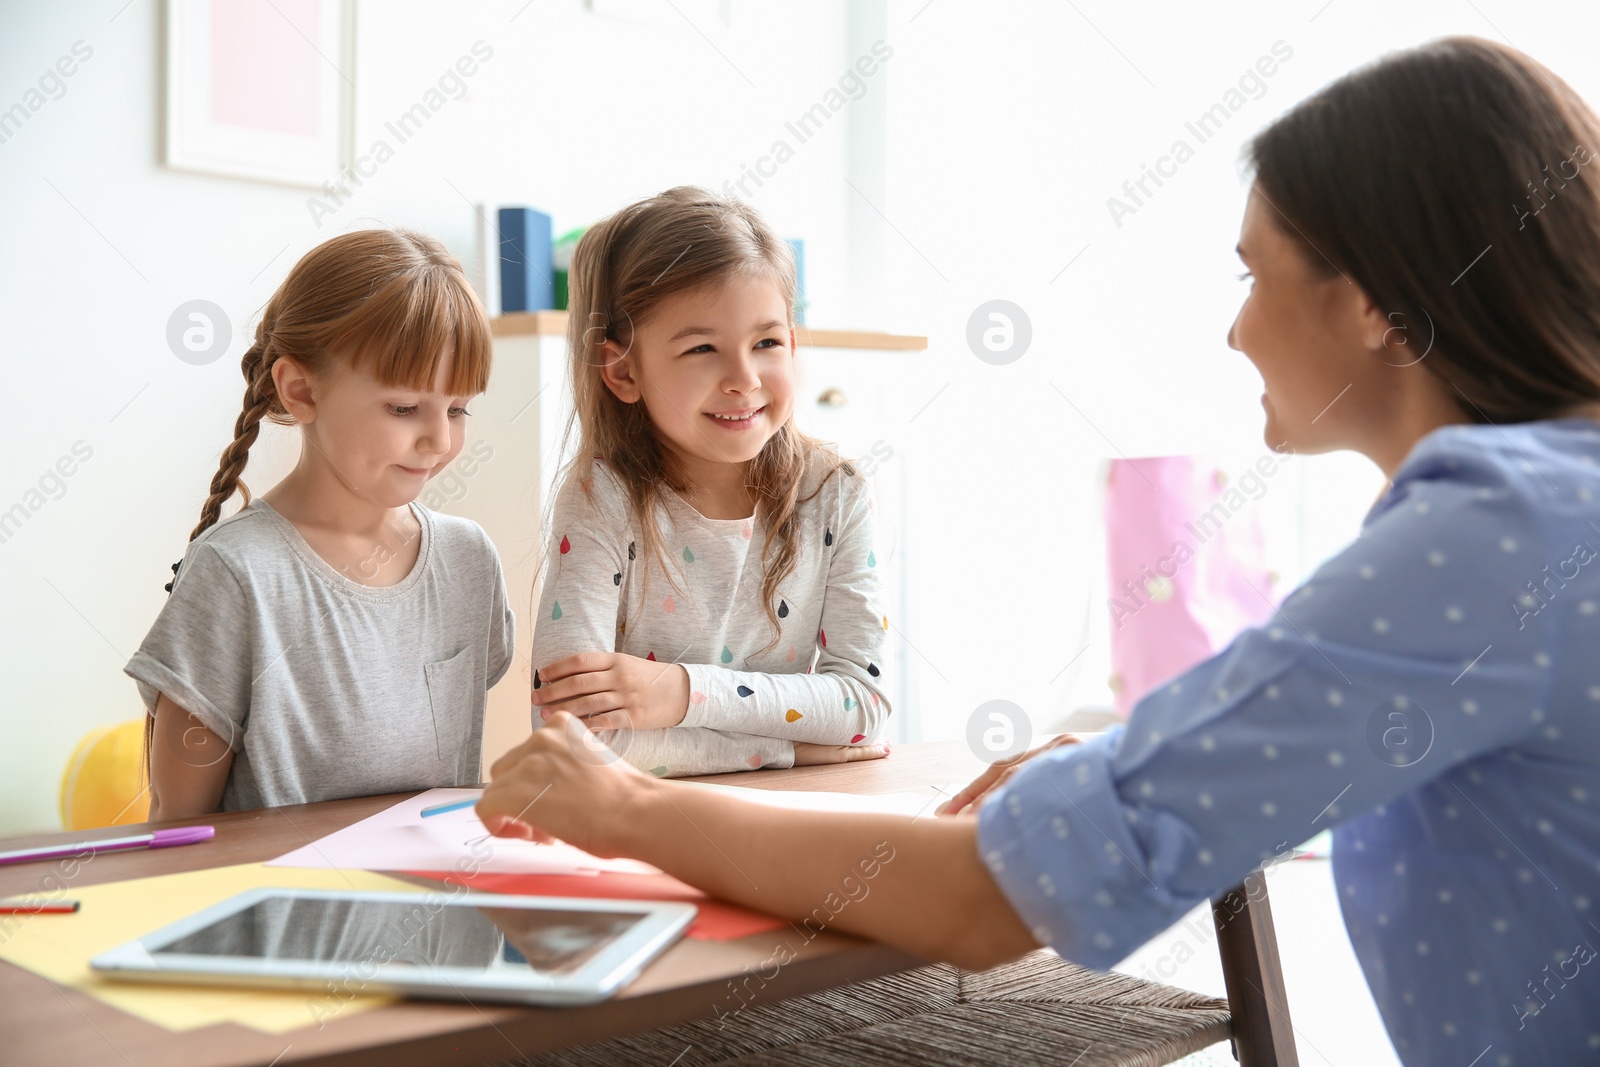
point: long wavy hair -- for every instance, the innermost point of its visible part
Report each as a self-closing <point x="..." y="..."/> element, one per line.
<point x="623" y="268"/>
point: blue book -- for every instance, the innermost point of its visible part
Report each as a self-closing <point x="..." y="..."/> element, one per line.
<point x="525" y="270"/>
<point x="799" y="247"/>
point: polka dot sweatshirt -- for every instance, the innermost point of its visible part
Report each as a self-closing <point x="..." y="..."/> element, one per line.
<point x="1434" y="692"/>
<point x="754" y="690"/>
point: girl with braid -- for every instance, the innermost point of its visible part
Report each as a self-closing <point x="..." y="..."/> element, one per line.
<point x="334" y="637"/>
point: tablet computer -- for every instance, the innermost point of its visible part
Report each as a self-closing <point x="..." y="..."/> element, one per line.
<point x="449" y="944"/>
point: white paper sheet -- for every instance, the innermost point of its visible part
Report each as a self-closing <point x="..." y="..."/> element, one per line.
<point x="400" y="839"/>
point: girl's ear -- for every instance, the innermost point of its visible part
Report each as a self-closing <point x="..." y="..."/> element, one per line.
<point x="294" y="388"/>
<point x="619" y="372"/>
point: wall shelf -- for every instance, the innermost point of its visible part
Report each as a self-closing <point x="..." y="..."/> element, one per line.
<point x="554" y="324"/>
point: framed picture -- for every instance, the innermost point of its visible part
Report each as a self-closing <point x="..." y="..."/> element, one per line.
<point x="261" y="89"/>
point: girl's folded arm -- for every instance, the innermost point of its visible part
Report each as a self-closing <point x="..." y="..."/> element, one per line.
<point x="189" y="765"/>
<point x="580" y="597"/>
<point x="579" y="605"/>
<point x="831" y="707"/>
<point x="842" y="702"/>
<point x="680" y="752"/>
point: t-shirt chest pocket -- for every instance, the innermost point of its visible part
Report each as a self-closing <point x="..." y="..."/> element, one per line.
<point x="454" y="706"/>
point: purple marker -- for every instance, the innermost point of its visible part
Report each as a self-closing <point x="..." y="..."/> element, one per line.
<point x="183" y="835"/>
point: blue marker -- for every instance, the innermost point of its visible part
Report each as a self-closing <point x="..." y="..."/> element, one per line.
<point x="454" y="805"/>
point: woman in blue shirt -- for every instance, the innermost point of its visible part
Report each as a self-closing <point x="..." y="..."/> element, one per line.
<point x="1424" y="241"/>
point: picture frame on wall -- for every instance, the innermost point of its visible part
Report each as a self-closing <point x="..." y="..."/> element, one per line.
<point x="261" y="89"/>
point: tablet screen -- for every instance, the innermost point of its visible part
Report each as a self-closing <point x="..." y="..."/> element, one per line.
<point x="426" y="933"/>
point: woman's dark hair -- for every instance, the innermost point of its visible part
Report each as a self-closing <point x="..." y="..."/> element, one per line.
<point x="1456" y="183"/>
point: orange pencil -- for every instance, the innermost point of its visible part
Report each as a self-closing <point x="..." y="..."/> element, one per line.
<point x="38" y="907"/>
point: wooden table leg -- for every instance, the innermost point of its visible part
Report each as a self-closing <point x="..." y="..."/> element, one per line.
<point x="1262" y="1036"/>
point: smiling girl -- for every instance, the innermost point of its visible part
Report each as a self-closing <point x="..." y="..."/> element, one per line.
<point x="710" y="601"/>
<point x="1431" y="691"/>
<point x="334" y="638"/>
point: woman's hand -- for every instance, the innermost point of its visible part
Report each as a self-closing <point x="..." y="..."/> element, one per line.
<point x="970" y="799"/>
<point x="612" y="690"/>
<point x="809" y="755"/>
<point x="562" y="783"/>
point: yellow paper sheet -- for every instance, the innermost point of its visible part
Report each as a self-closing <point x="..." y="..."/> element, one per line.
<point x="59" y="947"/>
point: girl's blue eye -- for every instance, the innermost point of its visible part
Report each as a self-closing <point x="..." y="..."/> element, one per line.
<point x="772" y="341"/>
<point x="458" y="412"/>
<point x="1245" y="276"/>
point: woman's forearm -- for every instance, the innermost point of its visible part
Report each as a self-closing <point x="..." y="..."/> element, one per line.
<point x="916" y="884"/>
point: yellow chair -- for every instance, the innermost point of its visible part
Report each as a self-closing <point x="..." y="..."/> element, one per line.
<point x="104" y="784"/>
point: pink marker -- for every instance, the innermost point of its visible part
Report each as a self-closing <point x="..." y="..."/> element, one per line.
<point x="184" y="835"/>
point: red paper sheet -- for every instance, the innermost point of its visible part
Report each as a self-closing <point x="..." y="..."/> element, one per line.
<point x="716" y="920"/>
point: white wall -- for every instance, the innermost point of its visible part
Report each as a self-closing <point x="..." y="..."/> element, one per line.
<point x="574" y="113"/>
<point x="976" y="165"/>
<point x="1010" y="125"/>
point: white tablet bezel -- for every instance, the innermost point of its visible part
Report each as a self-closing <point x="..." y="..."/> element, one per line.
<point x="597" y="979"/>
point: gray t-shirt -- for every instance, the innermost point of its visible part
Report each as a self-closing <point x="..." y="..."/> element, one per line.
<point x="324" y="687"/>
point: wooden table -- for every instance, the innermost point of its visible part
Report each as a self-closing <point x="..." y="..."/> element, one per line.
<point x="42" y="1024"/>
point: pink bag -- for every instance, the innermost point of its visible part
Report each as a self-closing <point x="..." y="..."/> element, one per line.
<point x="1185" y="551"/>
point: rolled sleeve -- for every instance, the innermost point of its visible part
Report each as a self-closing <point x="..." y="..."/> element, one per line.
<point x="1061" y="846"/>
<point x="1397" y="662"/>
<point x="186" y="654"/>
